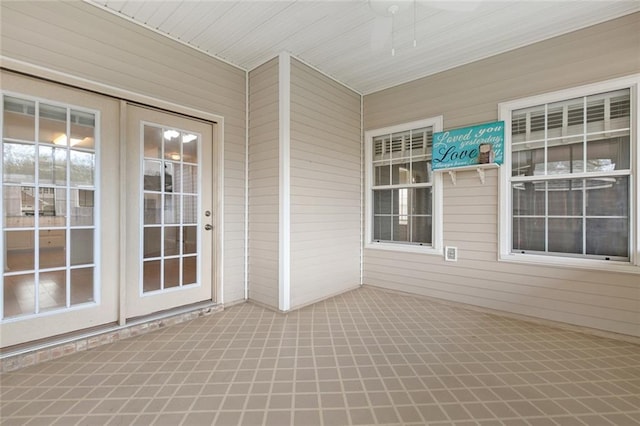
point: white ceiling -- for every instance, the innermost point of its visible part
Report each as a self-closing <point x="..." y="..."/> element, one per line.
<point x="351" y="41"/>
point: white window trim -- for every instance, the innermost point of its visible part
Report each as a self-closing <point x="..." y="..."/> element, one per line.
<point x="436" y="247"/>
<point x="504" y="220"/>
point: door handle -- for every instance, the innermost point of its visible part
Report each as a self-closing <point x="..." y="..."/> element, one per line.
<point x="208" y="227"/>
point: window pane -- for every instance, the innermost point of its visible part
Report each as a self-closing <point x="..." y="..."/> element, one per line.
<point x="565" y="197"/>
<point x="562" y="160"/>
<point x="82" y="168"/>
<point x="400" y="228"/>
<point x="382" y="228"/>
<point x="52" y="290"/>
<point x="81" y="246"/>
<point x="190" y="148"/>
<point x="382" y="174"/>
<point x="575" y="116"/>
<point x="53" y="207"/>
<point x="152" y="240"/>
<point x="421" y="142"/>
<point x="523" y="161"/>
<point x="554" y="120"/>
<point x="420" y="171"/>
<point x="15" y="213"/>
<point x="152" y="141"/>
<point x="81" y="286"/>
<point x="382" y="201"/>
<point x="19" y="165"/>
<point x="20" y="249"/>
<point x="608" y="237"/>
<point x="400" y="145"/>
<point x="52" y="165"/>
<point x="151" y="275"/>
<point x="608" y="196"/>
<point x="53" y="124"/>
<point x="49" y="206"/>
<point x="53" y="248"/>
<point x="171" y="241"/>
<point x="190" y="238"/>
<point x="82" y="129"/>
<point x="421" y="229"/>
<point x="152" y="209"/>
<point x="19" y="295"/>
<point x="528" y="198"/>
<point x="400" y="174"/>
<point x="421" y="201"/>
<point x="171" y="273"/>
<point x="608" y="154"/>
<point x="171" y="209"/>
<point x="190" y="208"/>
<point x="170" y="170"/>
<point x="189" y="179"/>
<point x="82" y="207"/>
<point x="152" y="175"/>
<point x="528" y="234"/>
<point x="189" y="270"/>
<point x="565" y="235"/>
<point x="19" y="119"/>
<point x="172" y="144"/>
<point x="381" y="147"/>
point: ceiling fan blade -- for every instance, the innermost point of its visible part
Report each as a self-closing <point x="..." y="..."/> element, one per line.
<point x="381" y="32"/>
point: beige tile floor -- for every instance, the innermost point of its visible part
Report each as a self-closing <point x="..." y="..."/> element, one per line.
<point x="365" y="357"/>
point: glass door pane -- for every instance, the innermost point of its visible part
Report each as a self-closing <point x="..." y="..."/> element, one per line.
<point x="170" y="196"/>
<point x="48" y="186"/>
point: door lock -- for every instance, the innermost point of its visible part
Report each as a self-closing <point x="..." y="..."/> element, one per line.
<point x="208" y="227"/>
<point x="207" y="213"/>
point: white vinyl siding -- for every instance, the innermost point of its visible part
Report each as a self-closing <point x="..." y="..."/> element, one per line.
<point x="468" y="95"/>
<point x="264" y="190"/>
<point x="84" y="41"/>
<point x="325" y="186"/>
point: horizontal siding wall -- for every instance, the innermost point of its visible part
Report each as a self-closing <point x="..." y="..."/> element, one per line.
<point x="325" y="186"/>
<point x="86" y="42"/>
<point x="264" y="175"/>
<point x="469" y="95"/>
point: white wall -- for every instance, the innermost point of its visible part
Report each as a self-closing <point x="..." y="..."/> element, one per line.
<point x="469" y="95"/>
<point x="325" y="186"/>
<point x="264" y="172"/>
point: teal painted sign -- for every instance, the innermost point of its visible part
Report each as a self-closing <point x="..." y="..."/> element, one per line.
<point x="468" y="146"/>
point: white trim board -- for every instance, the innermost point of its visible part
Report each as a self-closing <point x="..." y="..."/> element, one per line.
<point x="284" y="134"/>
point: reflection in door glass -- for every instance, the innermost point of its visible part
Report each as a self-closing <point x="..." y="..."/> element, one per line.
<point x="171" y="200"/>
<point x="49" y="170"/>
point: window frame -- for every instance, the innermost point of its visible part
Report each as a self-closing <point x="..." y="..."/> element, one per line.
<point x="436" y="246"/>
<point x="505" y="196"/>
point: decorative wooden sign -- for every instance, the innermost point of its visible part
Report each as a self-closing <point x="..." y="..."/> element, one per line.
<point x="482" y="144"/>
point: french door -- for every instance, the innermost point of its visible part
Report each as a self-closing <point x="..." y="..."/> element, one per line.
<point x="77" y="215"/>
<point x="60" y="218"/>
<point x="169" y="211"/>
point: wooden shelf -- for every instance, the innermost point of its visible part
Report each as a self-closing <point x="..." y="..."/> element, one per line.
<point x="480" y="168"/>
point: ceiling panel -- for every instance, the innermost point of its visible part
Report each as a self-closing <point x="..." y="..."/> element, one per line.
<point x="337" y="37"/>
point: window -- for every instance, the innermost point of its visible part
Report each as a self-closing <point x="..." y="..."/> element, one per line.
<point x="569" y="176"/>
<point x="402" y="191"/>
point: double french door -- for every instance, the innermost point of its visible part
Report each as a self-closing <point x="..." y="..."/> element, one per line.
<point x="66" y="222"/>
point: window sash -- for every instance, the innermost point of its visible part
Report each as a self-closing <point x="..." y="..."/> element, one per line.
<point x="607" y="118"/>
